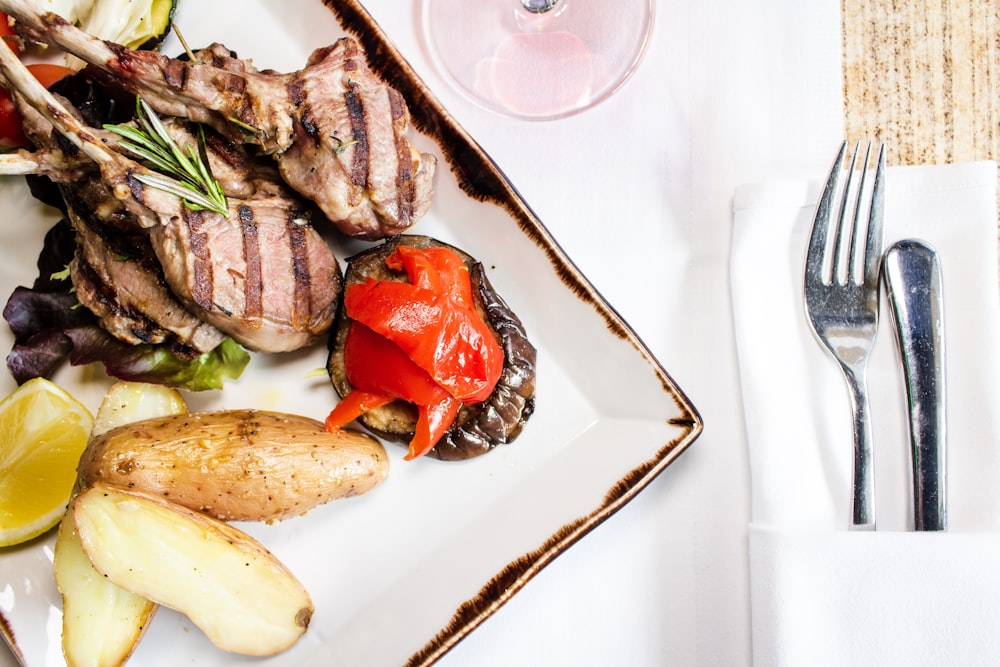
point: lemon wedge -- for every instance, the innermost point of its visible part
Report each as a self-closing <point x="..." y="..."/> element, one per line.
<point x="43" y="432"/>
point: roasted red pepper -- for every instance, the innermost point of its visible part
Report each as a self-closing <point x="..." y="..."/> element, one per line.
<point x="422" y="342"/>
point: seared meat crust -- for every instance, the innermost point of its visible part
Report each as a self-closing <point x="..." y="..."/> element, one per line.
<point x="116" y="276"/>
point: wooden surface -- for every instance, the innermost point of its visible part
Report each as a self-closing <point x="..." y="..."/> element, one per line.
<point x="924" y="76"/>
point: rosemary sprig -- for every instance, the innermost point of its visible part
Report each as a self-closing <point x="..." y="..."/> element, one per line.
<point x="249" y="129"/>
<point x="183" y="172"/>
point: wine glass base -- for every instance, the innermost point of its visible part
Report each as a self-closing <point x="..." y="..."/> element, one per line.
<point x="537" y="66"/>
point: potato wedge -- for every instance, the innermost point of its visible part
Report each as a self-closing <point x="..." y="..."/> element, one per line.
<point x="102" y="622"/>
<point x="127" y="402"/>
<point x="237" y="465"/>
<point x="242" y="597"/>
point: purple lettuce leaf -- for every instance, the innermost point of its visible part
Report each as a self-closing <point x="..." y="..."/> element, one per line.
<point x="50" y="327"/>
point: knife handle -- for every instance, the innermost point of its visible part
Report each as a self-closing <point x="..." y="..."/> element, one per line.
<point x="912" y="275"/>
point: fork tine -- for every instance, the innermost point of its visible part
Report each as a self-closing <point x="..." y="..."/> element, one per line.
<point x="842" y="263"/>
<point x="876" y="218"/>
<point x="821" y="225"/>
<point x="853" y="267"/>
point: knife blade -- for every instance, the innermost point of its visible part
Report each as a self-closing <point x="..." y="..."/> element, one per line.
<point x="911" y="273"/>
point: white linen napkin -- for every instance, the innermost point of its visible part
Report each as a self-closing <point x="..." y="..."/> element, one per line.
<point x="821" y="594"/>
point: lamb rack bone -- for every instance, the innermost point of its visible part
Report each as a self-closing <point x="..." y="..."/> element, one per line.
<point x="116" y="170"/>
<point x="337" y="131"/>
<point x="261" y="274"/>
<point x="240" y="171"/>
<point x="43" y="162"/>
<point x="172" y="87"/>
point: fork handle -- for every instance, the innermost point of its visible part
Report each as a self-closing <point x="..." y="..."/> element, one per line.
<point x="863" y="486"/>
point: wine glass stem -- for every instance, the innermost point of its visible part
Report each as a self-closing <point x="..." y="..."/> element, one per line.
<point x="539" y="6"/>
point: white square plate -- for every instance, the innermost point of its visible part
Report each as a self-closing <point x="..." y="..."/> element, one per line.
<point x="398" y="576"/>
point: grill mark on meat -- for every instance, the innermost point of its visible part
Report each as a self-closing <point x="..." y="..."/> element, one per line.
<point x="308" y="125"/>
<point x="405" y="190"/>
<point x="359" y="135"/>
<point x="296" y="94"/>
<point x="111" y="235"/>
<point x="302" y="292"/>
<point x="136" y="188"/>
<point x="123" y="57"/>
<point x="218" y="55"/>
<point x="91" y="288"/>
<point x="226" y="152"/>
<point x="202" y="282"/>
<point x="244" y="112"/>
<point x="351" y="52"/>
<point x="175" y="73"/>
<point x="253" y="308"/>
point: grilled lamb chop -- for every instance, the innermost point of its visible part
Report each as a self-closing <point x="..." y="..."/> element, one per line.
<point x="261" y="273"/>
<point x="117" y="277"/>
<point x="336" y="130"/>
<point x="115" y="273"/>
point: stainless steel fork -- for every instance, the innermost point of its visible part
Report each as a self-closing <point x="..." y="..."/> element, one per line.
<point x="842" y="299"/>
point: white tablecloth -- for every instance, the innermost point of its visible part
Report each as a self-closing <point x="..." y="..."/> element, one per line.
<point x="639" y="191"/>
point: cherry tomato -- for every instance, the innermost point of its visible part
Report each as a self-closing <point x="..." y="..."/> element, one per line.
<point x="11" y="134"/>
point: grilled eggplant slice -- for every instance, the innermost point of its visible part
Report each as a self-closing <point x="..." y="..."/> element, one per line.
<point x="479" y="427"/>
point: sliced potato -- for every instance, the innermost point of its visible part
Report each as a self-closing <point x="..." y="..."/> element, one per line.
<point x="102" y="622"/>
<point x="237" y="465"/>
<point x="128" y="402"/>
<point x="242" y="597"/>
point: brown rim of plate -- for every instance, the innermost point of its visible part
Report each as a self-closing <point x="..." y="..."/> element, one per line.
<point x="480" y="178"/>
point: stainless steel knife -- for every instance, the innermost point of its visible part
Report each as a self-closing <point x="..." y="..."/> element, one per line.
<point x="911" y="273"/>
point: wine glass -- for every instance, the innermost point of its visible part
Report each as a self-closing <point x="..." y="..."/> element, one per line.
<point x="537" y="59"/>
